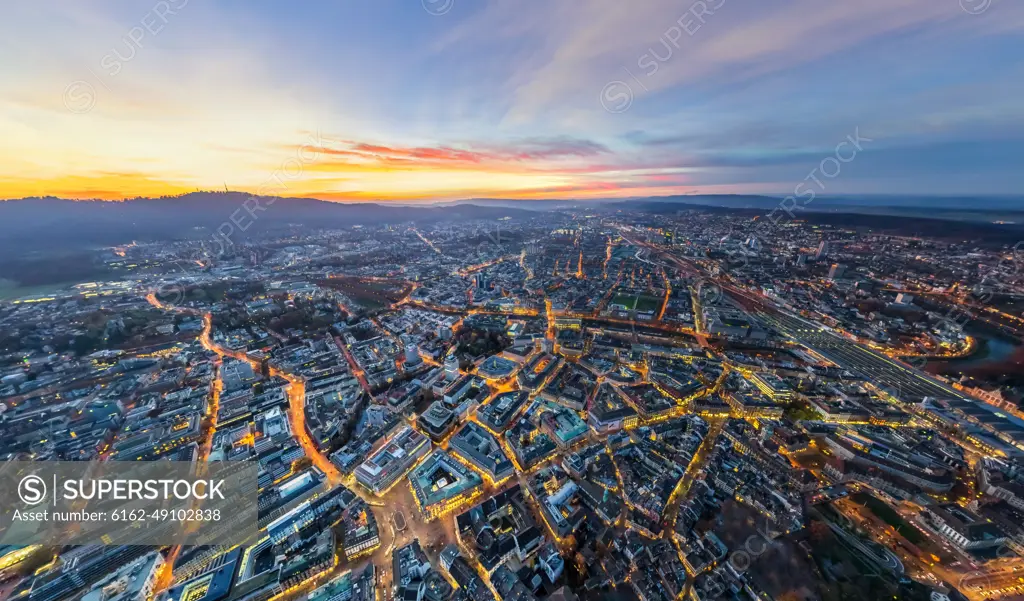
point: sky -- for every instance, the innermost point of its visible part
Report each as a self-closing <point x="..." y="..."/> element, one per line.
<point x="418" y="100"/>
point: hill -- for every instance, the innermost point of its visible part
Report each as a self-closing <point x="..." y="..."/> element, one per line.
<point x="37" y="224"/>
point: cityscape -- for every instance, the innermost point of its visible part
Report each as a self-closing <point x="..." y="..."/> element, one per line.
<point x="461" y="301"/>
<point x="571" y="405"/>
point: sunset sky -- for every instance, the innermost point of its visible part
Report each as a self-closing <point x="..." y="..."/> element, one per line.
<point x="444" y="99"/>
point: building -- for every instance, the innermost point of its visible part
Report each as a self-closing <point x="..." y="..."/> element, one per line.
<point x="721" y="320"/>
<point x="212" y="585"/>
<point x="498" y="413"/>
<point x="468" y="581"/>
<point x="437" y="421"/>
<point x="609" y="412"/>
<point x="499" y="529"/>
<point x="82" y="566"/>
<point x="539" y="370"/>
<point x="132" y="582"/>
<point x="361" y="586"/>
<point x="772" y="386"/>
<point x="884" y="465"/>
<point x="497" y="368"/>
<point x="563" y="425"/>
<point x="385" y="467"/>
<point x="1001" y="480"/>
<point x="822" y="250"/>
<point x="529" y="444"/>
<point x="963" y="528"/>
<point x="412" y="356"/>
<point x="477" y="447"/>
<point x="414" y="579"/>
<point x="440" y="485"/>
<point x="361" y="533"/>
<point x="451" y="368"/>
<point x="650" y="403"/>
<point x="509" y="587"/>
<point x="753" y="405"/>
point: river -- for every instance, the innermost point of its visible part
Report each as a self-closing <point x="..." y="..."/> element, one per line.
<point x="994" y="348"/>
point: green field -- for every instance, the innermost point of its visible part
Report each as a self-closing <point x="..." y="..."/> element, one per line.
<point x="626" y="300"/>
<point x="648" y="303"/>
<point x="637" y="302"/>
<point x="889" y="515"/>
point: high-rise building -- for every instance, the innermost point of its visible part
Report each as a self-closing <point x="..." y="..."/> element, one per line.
<point x="412" y="355"/>
<point x="836" y="271"/>
<point x="822" y="250"/>
<point x="451" y="367"/>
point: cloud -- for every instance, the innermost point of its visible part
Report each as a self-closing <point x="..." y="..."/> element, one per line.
<point x="501" y="98"/>
<point x="660" y="45"/>
<point x="474" y="155"/>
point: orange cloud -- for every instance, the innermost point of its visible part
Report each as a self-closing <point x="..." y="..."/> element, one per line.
<point x="363" y="171"/>
<point x="102" y="186"/>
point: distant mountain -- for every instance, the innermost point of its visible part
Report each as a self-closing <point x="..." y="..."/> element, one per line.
<point x="734" y="200"/>
<point x="986" y="208"/>
<point x="513" y="203"/>
<point x="857" y="203"/>
<point x="916" y="222"/>
<point x="32" y="224"/>
<point x="42" y="224"/>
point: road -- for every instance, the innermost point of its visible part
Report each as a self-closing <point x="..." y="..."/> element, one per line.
<point x="356" y="370"/>
<point x="696" y="464"/>
<point x="166" y="576"/>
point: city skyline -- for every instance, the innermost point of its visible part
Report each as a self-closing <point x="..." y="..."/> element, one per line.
<point x="504" y="405"/>
<point x="506" y="300"/>
<point x="446" y="100"/>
